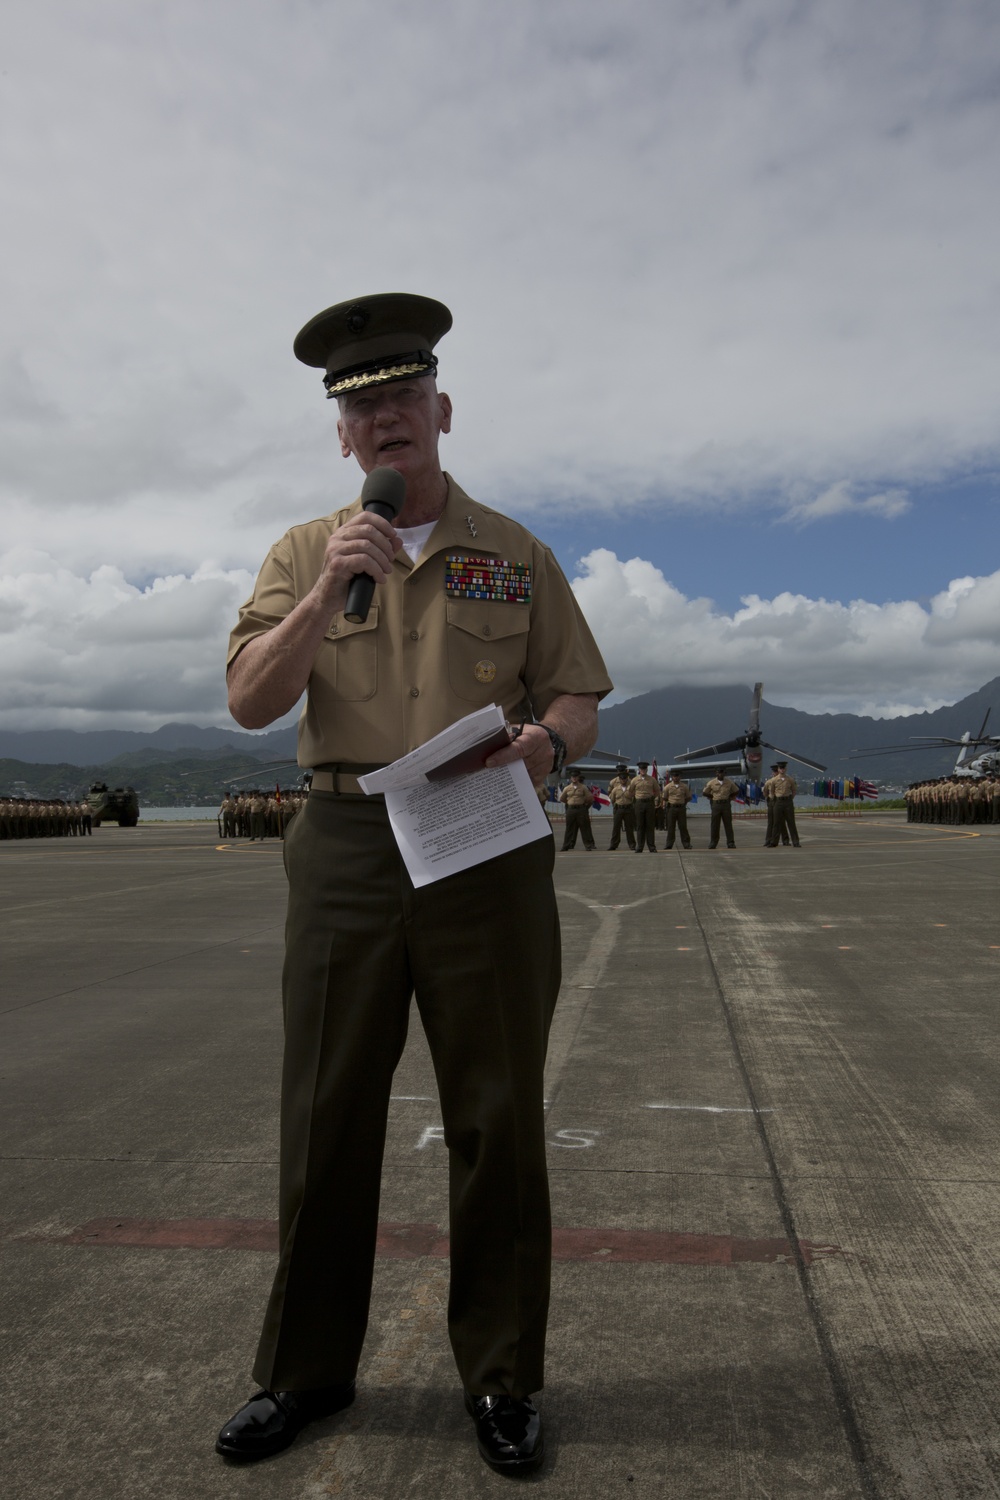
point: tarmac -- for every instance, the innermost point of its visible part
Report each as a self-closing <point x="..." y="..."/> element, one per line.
<point x="773" y="1125"/>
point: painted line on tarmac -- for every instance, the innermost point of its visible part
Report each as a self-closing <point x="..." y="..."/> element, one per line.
<point x="413" y="1241"/>
<point x="588" y="901"/>
<point x="713" y="1109"/>
<point x="585" y="979"/>
<point x="839" y="1385"/>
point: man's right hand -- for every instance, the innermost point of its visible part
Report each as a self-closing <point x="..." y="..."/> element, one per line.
<point x="366" y="544"/>
<point x="270" y="674"/>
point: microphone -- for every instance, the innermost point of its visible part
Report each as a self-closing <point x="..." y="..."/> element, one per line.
<point x="384" y="493"/>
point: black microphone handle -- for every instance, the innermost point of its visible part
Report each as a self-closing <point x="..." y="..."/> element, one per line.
<point x="362" y="586"/>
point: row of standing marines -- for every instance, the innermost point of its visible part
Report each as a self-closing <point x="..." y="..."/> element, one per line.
<point x="954" y="799"/>
<point x="257" y="815"/>
<point x="33" y="818"/>
<point x="636" y="800"/>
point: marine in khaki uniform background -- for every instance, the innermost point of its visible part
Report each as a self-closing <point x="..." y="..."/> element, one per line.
<point x="676" y="796"/>
<point x="644" y="795"/>
<point x="783" y="789"/>
<point x="768" y="789"/>
<point x="578" y="799"/>
<point x="720" y="791"/>
<point x="623" y="811"/>
<point x="482" y="614"/>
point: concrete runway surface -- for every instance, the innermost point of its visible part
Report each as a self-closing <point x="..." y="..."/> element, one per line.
<point x="774" y="1136"/>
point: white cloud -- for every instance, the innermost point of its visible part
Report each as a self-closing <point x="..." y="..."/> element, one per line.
<point x="839" y="500"/>
<point x="693" y="252"/>
<point x="89" y="651"/>
<point x="85" y="652"/>
<point x="715" y="255"/>
<point x="815" y="654"/>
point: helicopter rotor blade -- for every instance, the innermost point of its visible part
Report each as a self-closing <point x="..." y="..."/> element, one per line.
<point x="285" y="765"/>
<point x="758" y="692"/>
<point x="870" y="753"/>
<point x="708" y="750"/>
<point x="803" y="759"/>
<point x="931" y="742"/>
<point x="941" y="741"/>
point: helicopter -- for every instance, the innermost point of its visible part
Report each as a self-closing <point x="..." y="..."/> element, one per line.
<point x="749" y="748"/>
<point x="983" y="765"/>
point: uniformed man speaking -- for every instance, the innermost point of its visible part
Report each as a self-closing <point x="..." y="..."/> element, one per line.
<point x="469" y="609"/>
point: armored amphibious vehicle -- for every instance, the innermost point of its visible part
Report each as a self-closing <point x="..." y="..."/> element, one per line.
<point x="120" y="805"/>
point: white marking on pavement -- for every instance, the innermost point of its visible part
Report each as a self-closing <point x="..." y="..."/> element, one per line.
<point x="575" y="1140"/>
<point x="428" y="1134"/>
<point x="679" y="890"/>
<point x="711" y="1109"/>
<point x="587" y="976"/>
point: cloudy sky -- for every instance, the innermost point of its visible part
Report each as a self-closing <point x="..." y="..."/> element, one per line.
<point x="725" y="279"/>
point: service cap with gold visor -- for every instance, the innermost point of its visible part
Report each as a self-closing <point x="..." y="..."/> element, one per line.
<point x="373" y="340"/>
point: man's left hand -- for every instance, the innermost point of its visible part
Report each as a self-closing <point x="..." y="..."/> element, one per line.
<point x="534" y="747"/>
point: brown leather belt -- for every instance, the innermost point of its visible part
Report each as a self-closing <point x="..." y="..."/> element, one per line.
<point x="343" y="780"/>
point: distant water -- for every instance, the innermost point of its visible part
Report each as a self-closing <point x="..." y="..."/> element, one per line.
<point x="176" y="814"/>
<point x="207" y="814"/>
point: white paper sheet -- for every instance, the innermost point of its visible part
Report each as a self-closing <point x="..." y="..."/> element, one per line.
<point x="412" y="769"/>
<point x="442" y="827"/>
<point x="450" y="824"/>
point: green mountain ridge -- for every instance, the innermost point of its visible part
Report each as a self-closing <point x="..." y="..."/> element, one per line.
<point x="180" y="782"/>
<point x="179" y="758"/>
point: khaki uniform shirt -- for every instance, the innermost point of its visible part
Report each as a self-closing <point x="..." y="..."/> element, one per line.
<point x="427" y="656"/>
<point x="643" y="788"/>
<point x="720" y="789"/>
<point x="618" y="792"/>
<point x="576" y="795"/>
<point x="677" y="793"/>
<point x="780" y="785"/>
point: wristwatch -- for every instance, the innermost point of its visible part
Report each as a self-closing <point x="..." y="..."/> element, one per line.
<point x="558" y="750"/>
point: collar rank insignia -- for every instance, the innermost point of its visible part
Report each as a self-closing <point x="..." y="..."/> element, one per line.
<point x="488" y="578"/>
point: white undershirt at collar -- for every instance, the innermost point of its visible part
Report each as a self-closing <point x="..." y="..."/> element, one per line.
<point x="414" y="539"/>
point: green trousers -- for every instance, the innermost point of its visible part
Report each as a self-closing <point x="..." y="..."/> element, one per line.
<point x="722" y="813"/>
<point x="784" y="820"/>
<point x="480" y="952"/>
<point x="645" y="824"/>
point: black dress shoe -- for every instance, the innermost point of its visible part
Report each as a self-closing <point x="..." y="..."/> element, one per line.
<point x="272" y="1420"/>
<point x="509" y="1432"/>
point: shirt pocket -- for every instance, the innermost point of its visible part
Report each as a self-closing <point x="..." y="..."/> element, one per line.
<point x="350" y="657"/>
<point x="487" y="649"/>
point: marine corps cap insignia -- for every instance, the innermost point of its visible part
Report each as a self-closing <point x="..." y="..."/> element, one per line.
<point x="357" y="317"/>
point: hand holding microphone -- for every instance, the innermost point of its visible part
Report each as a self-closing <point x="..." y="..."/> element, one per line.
<point x="384" y="493"/>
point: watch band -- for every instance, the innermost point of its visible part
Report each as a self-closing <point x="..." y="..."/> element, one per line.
<point x="558" y="750"/>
